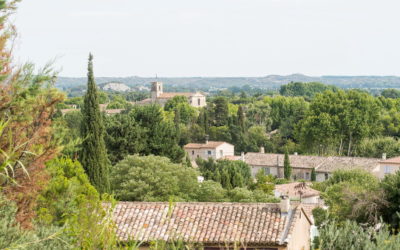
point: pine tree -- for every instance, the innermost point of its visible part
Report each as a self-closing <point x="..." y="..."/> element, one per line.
<point x="313" y="175"/>
<point x="93" y="155"/>
<point x="287" y="169"/>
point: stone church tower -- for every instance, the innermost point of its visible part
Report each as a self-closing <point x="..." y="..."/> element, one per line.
<point x="156" y="90"/>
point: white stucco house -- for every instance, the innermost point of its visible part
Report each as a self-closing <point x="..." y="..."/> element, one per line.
<point x="210" y="149"/>
<point x="388" y="166"/>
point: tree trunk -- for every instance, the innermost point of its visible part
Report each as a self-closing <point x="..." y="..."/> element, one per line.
<point x="350" y="141"/>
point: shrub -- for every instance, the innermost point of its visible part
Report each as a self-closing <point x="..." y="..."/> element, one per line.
<point x="68" y="189"/>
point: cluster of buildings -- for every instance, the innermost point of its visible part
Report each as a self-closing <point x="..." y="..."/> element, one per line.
<point x="302" y="165"/>
<point x="158" y="96"/>
<point x="217" y="225"/>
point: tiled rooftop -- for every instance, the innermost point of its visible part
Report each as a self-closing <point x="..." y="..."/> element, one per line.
<point x="173" y="94"/>
<point x="320" y="163"/>
<point x="294" y="189"/>
<point x="210" y="144"/>
<point x="206" y="223"/>
<point x="395" y="160"/>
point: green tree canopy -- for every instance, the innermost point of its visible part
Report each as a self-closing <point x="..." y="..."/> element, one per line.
<point x="337" y="121"/>
<point x="152" y="178"/>
<point x="124" y="136"/>
<point x="307" y="90"/>
<point x="68" y="190"/>
<point x="391" y="93"/>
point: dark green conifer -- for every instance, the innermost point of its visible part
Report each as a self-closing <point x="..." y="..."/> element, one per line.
<point x="287" y="169"/>
<point x="93" y="155"/>
<point x="241" y="118"/>
<point x="313" y="175"/>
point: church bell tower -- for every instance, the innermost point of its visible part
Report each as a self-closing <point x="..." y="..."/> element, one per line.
<point x="156" y="90"/>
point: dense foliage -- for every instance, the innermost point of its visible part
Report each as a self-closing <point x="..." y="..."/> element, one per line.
<point x="350" y="235"/>
<point x="70" y="185"/>
<point x="152" y="178"/>
<point x="307" y="90"/>
<point x="230" y="174"/>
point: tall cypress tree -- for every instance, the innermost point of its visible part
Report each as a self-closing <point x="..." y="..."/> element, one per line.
<point x="93" y="155"/>
<point x="313" y="175"/>
<point x="241" y="119"/>
<point x="287" y="169"/>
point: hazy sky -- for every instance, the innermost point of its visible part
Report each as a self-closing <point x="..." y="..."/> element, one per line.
<point x="212" y="37"/>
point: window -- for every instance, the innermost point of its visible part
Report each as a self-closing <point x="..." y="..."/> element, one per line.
<point x="307" y="176"/>
<point x="193" y="152"/>
<point x="326" y="176"/>
<point x="209" y="152"/>
<point x="267" y="171"/>
<point x="221" y="152"/>
<point x="198" y="101"/>
<point x="387" y="170"/>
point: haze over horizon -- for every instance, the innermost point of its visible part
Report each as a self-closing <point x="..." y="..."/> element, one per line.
<point x="212" y="38"/>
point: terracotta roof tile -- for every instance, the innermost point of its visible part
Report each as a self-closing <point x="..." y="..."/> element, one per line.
<point x="395" y="160"/>
<point x="292" y="190"/>
<point x="231" y="157"/>
<point x="248" y="223"/>
<point x="210" y="144"/>
<point x="173" y="94"/>
<point x="320" y="163"/>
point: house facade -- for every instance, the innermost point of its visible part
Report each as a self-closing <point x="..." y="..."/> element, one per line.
<point x="210" y="149"/>
<point x="302" y="165"/>
<point x="158" y="96"/>
<point x="388" y="166"/>
<point x="215" y="225"/>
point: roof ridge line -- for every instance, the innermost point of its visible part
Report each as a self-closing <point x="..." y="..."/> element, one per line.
<point x="290" y="216"/>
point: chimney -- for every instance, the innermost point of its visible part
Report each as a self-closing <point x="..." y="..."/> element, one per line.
<point x="242" y="156"/>
<point x="295" y="153"/>
<point x="384" y="156"/>
<point x="262" y="150"/>
<point x="285" y="204"/>
<point x="207" y="137"/>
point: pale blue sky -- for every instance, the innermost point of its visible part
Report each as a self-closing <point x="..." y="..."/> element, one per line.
<point x="212" y="37"/>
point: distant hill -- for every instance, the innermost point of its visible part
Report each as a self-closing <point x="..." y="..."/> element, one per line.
<point x="215" y="83"/>
<point x="115" y="86"/>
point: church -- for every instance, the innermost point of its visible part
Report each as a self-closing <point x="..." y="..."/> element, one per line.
<point x="196" y="100"/>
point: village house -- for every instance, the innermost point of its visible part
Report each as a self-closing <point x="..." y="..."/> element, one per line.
<point x="158" y="96"/>
<point x="210" y="149"/>
<point x="388" y="166"/>
<point x="215" y="225"/>
<point x="298" y="191"/>
<point x="302" y="165"/>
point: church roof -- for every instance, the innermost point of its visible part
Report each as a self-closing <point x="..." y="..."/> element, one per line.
<point x="173" y="94"/>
